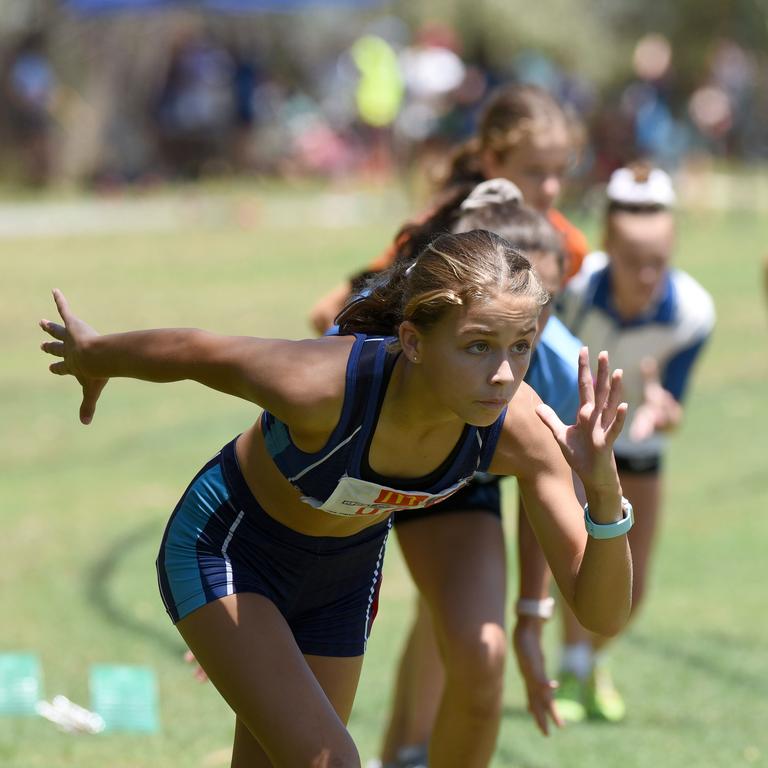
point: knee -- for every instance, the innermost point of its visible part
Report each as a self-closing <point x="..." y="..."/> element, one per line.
<point x="341" y="755"/>
<point x="476" y="663"/>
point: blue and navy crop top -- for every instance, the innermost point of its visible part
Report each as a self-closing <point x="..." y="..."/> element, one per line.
<point x="339" y="480"/>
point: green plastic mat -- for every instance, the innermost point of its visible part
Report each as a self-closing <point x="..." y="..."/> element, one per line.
<point x="125" y="696"/>
<point x="21" y="683"/>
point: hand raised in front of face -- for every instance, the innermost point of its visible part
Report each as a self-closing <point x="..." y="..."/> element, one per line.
<point x="70" y="340"/>
<point x="588" y="443"/>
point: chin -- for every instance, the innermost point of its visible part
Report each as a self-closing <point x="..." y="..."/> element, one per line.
<point x="483" y="417"/>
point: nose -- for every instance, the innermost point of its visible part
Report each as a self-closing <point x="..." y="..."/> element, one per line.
<point x="648" y="277"/>
<point x="503" y="374"/>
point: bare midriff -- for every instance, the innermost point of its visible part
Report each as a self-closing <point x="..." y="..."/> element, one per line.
<point x="281" y="501"/>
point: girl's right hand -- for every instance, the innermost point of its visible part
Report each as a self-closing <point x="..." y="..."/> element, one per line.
<point x="199" y="672"/>
<point x="587" y="445"/>
<point x="71" y="339"/>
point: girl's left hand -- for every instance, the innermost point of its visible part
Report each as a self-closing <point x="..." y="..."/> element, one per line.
<point x="526" y="640"/>
<point x="69" y="342"/>
<point x="588" y="444"/>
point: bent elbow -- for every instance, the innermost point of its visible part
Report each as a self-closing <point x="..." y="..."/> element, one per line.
<point x="606" y="626"/>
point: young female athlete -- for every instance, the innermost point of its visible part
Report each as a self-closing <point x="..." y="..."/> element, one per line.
<point x="654" y="320"/>
<point x="270" y="563"/>
<point x="459" y="622"/>
<point x="523" y="135"/>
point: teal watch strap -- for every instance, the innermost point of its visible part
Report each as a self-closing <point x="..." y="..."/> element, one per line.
<point x="610" y="530"/>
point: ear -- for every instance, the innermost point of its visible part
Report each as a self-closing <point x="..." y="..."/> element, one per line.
<point x="410" y="341"/>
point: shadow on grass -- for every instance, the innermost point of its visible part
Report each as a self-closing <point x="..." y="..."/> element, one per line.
<point x="99" y="591"/>
<point x="706" y="661"/>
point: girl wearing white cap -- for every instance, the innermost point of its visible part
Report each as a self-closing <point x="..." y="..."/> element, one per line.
<point x="654" y="321"/>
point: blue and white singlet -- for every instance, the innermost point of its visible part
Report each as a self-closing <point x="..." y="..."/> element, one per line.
<point x="672" y="331"/>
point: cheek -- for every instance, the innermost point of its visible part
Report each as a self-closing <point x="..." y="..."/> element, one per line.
<point x="448" y="372"/>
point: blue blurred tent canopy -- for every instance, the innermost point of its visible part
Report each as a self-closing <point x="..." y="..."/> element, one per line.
<point x="224" y="6"/>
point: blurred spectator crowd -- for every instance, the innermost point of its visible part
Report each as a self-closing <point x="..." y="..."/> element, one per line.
<point x="391" y="101"/>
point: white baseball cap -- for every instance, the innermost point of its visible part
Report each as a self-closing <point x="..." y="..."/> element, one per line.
<point x="637" y="186"/>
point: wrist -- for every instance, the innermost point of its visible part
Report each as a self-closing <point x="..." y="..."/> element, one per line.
<point x="87" y="355"/>
<point x="598" y="529"/>
<point x="605" y="503"/>
<point x="535" y="609"/>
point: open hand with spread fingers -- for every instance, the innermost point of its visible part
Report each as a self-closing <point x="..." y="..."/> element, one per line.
<point x="588" y="444"/>
<point x="69" y="342"/>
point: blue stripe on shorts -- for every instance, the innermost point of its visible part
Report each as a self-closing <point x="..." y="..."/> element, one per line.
<point x="219" y="541"/>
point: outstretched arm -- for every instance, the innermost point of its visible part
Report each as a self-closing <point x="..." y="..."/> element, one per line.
<point x="274" y="373"/>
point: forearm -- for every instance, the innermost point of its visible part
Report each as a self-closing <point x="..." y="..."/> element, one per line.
<point x="533" y="571"/>
<point x="602" y="597"/>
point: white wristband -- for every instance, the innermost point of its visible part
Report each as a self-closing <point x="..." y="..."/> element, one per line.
<point x="540" y="609"/>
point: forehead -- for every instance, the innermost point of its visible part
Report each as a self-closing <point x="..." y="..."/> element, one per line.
<point x="545" y="140"/>
<point x="643" y="230"/>
<point x="497" y="313"/>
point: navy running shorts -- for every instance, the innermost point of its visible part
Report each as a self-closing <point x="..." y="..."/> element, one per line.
<point x="219" y="541"/>
<point x="639" y="465"/>
<point x="480" y="495"/>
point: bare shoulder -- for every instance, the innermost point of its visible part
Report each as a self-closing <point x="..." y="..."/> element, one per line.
<point x="311" y="377"/>
<point x="525" y="443"/>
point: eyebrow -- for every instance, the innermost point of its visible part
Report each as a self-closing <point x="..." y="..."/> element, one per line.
<point x="485" y="331"/>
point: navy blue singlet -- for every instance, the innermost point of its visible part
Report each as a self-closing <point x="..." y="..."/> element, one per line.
<point x="337" y="478"/>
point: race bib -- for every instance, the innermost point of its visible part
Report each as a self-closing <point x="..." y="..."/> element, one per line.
<point x="354" y="497"/>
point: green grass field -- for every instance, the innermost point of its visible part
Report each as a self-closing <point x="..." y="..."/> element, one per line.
<point x="83" y="509"/>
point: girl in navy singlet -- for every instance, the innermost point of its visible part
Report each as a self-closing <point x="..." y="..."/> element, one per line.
<point x="448" y="696"/>
<point x="269" y="566"/>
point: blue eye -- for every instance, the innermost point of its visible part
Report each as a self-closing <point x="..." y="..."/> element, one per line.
<point x="478" y="348"/>
<point x="522" y="347"/>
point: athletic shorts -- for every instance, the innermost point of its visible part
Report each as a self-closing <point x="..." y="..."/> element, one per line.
<point x="479" y="496"/>
<point x="219" y="541"/>
<point x="639" y="465"/>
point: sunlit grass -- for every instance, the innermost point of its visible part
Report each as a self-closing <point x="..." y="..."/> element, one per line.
<point x="83" y="508"/>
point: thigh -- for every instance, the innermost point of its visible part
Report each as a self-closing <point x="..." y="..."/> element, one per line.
<point x="248" y="651"/>
<point x="338" y="677"/>
<point x="458" y="562"/>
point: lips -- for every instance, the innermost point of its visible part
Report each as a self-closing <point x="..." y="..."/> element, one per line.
<point x="496" y="403"/>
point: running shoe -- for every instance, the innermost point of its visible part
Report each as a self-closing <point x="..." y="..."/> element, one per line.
<point x="602" y="700"/>
<point x="570" y="697"/>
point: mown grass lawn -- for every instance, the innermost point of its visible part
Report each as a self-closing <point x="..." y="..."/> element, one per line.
<point x="83" y="509"/>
